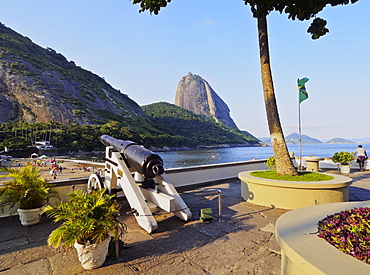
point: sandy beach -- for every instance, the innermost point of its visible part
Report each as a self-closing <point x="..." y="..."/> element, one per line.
<point x="70" y="168"/>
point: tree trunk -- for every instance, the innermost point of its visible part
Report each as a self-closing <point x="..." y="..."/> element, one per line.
<point x="284" y="165"/>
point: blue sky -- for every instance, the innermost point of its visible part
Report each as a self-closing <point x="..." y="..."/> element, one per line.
<point x="145" y="56"/>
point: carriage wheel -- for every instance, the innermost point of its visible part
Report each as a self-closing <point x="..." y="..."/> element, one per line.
<point x="94" y="183"/>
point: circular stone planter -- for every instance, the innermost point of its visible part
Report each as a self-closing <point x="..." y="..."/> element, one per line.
<point x="30" y="216"/>
<point x="303" y="252"/>
<point x="293" y="194"/>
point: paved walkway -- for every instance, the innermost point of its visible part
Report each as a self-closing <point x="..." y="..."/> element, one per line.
<point x="242" y="243"/>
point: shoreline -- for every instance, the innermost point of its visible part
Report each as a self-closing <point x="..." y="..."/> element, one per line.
<point x="71" y="168"/>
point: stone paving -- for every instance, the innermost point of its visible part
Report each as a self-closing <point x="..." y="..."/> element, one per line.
<point x="242" y="243"/>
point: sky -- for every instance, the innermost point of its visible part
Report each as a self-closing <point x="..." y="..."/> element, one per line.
<point x="145" y="56"/>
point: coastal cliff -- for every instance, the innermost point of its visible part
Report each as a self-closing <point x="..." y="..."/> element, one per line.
<point x="196" y="95"/>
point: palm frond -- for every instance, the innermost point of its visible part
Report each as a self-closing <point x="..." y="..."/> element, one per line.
<point x="87" y="218"/>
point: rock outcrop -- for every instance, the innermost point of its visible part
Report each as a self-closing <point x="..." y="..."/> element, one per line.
<point x="196" y="95"/>
<point x="39" y="85"/>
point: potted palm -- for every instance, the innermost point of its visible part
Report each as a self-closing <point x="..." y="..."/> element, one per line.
<point x="89" y="220"/>
<point x="28" y="191"/>
<point x="344" y="159"/>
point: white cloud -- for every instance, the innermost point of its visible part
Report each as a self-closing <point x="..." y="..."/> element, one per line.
<point x="208" y="21"/>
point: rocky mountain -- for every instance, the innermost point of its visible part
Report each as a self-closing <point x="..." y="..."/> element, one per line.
<point x="196" y="95"/>
<point x="40" y="90"/>
<point x="39" y="85"/>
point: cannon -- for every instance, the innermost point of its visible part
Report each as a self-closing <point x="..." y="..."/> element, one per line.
<point x="136" y="156"/>
<point x="140" y="174"/>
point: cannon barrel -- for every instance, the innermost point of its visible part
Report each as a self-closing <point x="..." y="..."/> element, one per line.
<point x="136" y="156"/>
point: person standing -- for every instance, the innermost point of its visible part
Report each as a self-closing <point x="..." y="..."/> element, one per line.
<point x="361" y="157"/>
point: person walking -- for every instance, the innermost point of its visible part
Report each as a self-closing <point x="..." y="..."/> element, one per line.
<point x="361" y="157"/>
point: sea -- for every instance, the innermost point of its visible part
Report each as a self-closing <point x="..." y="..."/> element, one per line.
<point x="224" y="155"/>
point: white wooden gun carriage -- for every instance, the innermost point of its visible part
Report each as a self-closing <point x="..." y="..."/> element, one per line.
<point x="140" y="174"/>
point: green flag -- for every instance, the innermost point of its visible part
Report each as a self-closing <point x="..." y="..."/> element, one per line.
<point x="303" y="95"/>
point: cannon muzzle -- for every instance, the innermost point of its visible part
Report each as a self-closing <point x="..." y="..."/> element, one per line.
<point x="136" y="156"/>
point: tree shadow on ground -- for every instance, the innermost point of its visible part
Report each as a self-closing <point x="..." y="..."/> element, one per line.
<point x="175" y="236"/>
<point x="358" y="193"/>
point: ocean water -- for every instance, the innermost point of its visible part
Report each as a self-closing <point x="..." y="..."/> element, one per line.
<point x="225" y="155"/>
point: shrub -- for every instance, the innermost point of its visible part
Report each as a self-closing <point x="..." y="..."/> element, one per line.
<point x="344" y="158"/>
<point x="28" y="189"/>
<point x="271" y="163"/>
<point x="86" y="218"/>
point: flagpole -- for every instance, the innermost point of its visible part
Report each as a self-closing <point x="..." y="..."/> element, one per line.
<point x="302" y="95"/>
<point x="300" y="135"/>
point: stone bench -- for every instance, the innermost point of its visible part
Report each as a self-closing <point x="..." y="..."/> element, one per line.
<point x="312" y="163"/>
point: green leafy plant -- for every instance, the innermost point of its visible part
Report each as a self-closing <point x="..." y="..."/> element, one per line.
<point x="349" y="231"/>
<point x="271" y="163"/>
<point x="28" y="189"/>
<point x="302" y="176"/>
<point x="86" y="218"/>
<point x="344" y="158"/>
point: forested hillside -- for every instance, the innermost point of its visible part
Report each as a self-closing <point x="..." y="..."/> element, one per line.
<point x="39" y="85"/>
<point x="194" y="129"/>
<point x="45" y="97"/>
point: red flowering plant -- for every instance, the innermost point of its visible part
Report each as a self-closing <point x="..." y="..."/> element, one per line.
<point x="349" y="231"/>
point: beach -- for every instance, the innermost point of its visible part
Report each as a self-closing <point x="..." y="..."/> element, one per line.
<point x="70" y="168"/>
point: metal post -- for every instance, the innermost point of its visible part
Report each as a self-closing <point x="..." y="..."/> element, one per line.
<point x="219" y="205"/>
<point x="300" y="136"/>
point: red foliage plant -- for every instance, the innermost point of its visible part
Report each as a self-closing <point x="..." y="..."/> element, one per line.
<point x="349" y="231"/>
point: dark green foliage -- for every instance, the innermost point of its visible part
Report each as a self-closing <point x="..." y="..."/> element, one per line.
<point x="27" y="188"/>
<point x="50" y="72"/>
<point x="153" y="6"/>
<point x="87" y="218"/>
<point x="194" y="130"/>
<point x="168" y="126"/>
<point x="317" y="28"/>
<point x="301" y="10"/>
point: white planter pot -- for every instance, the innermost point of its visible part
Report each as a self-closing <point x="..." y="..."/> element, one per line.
<point x="92" y="255"/>
<point x="30" y="216"/>
<point x="345" y="169"/>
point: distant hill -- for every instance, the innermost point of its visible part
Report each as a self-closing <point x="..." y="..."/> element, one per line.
<point x="339" y="141"/>
<point x="361" y="140"/>
<point x="194" y="130"/>
<point x="293" y="138"/>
